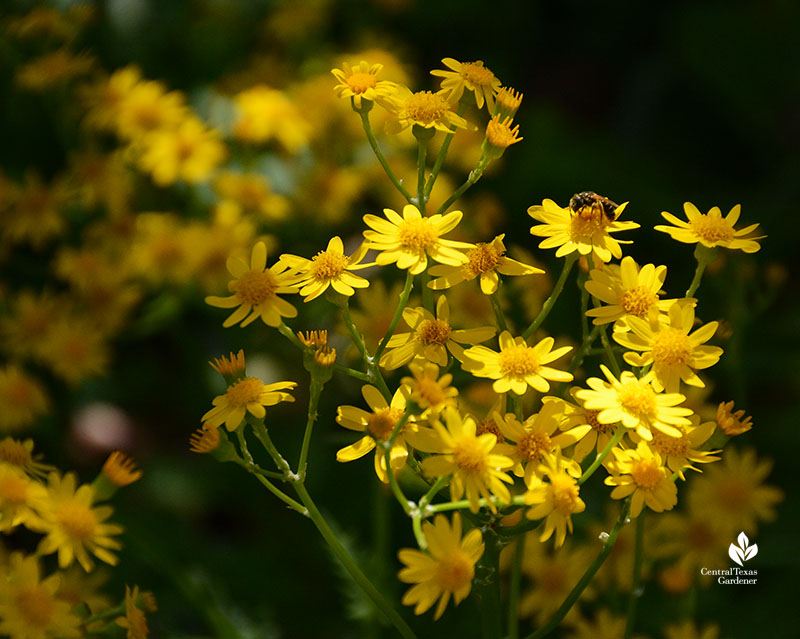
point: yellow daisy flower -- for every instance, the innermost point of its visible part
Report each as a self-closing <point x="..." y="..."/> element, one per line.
<point x="711" y="229"/>
<point x="588" y="433"/>
<point x="409" y="240"/>
<point x="674" y="353"/>
<point x="466" y="456"/>
<point x="134" y="621"/>
<point x="147" y="106"/>
<point x="556" y="499"/>
<point x="424" y="109"/>
<point x="680" y="452"/>
<point x="30" y="607"/>
<point x="731" y="423"/>
<point x="642" y="474"/>
<point x="517" y="365"/>
<point x="256" y="289"/>
<point x="627" y="290"/>
<point x="21" y="498"/>
<point x="484" y="261"/>
<point x="246" y="395"/>
<point x="377" y="426"/>
<point x="330" y="267"/>
<point x="73" y="527"/>
<point x="20" y="454"/>
<point x="635" y="403"/>
<point x="429" y="391"/>
<point x="431" y="338"/>
<point x="583" y="232"/>
<point x="472" y="76"/>
<point x="120" y="469"/>
<point x="264" y="114"/>
<point x="22" y="397"/>
<point x="361" y="82"/>
<point x="446" y="570"/>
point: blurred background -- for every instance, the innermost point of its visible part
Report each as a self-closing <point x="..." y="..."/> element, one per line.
<point x="655" y="104"/>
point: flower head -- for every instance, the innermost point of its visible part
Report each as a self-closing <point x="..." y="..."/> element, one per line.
<point x="711" y="229"/>
<point x="429" y="391"/>
<point x="21" y="498"/>
<point x="517" y="365"/>
<point x="246" y="395"/>
<point x="679" y="453"/>
<point x="409" y="240"/>
<point x="732" y="423"/>
<point x="134" y="620"/>
<point x="231" y="367"/>
<point x="446" y="570"/>
<point x="120" y="469"/>
<point x="424" y="109"/>
<point x="265" y="114"/>
<point x="20" y="454"/>
<point x="472" y="76"/>
<point x="641" y="473"/>
<point x="204" y="440"/>
<point x="586" y="234"/>
<point x="22" y="398"/>
<point x="255" y="290"/>
<point x="361" y="82"/>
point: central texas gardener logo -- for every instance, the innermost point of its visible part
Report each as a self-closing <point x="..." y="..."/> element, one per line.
<point x="743" y="551"/>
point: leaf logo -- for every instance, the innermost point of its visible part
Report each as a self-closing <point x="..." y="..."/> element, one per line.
<point x="743" y="551"/>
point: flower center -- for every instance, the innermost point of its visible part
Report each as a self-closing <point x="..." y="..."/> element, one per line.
<point x="431" y="391"/>
<point x="14" y="453"/>
<point x="360" y="82"/>
<point x="77" y="520"/>
<point x="518" y="361"/>
<point x="255" y="287"/>
<point x="489" y="426"/>
<point x="477" y="74"/>
<point x="500" y="134"/>
<point x="637" y="300"/>
<point x="425" y="107"/>
<point x="433" y="332"/>
<point x="587" y="222"/>
<point x="35" y="606"/>
<point x="699" y="536"/>
<point x="13" y="489"/>
<point x="417" y="234"/>
<point x="734" y="494"/>
<point x="636" y="398"/>
<point x="671" y="446"/>
<point x="381" y="423"/>
<point x="245" y="391"/>
<point x="712" y="229"/>
<point x="454" y="571"/>
<point x="19" y="393"/>
<point x="646" y="474"/>
<point x="565" y="493"/>
<point x="470" y="456"/>
<point x="484" y="258"/>
<point x="591" y="419"/>
<point x="533" y="445"/>
<point x="672" y="347"/>
<point x="327" y="265"/>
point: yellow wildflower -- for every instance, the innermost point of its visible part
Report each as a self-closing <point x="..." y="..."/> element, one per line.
<point x="253" y="193"/>
<point x="472" y="76"/>
<point x="246" y="395"/>
<point x="361" y="82"/>
<point x="74" y="349"/>
<point x="20" y="454"/>
<point x="732" y="423"/>
<point x="204" y="440"/>
<point x="711" y="229"/>
<point x="264" y="114"/>
<point x="21" y="498"/>
<point x="690" y="630"/>
<point x="53" y="69"/>
<point x="22" y="397"/>
<point x="134" y="620"/>
<point x="679" y="453"/>
<point x="120" y="469"/>
<point x="641" y="473"/>
<point x="104" y="99"/>
<point x="588" y="433"/>
<point x="147" y="106"/>
<point x="423" y="109"/>
<point x="36" y="212"/>
<point x="429" y="391"/>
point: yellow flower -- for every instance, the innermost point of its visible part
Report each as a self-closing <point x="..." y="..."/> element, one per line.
<point x="361" y="82"/>
<point x="711" y="229"/>
<point x="732" y="423"/>
<point x="517" y="365"/>
<point x="691" y="539"/>
<point x="429" y="391"/>
<point x="330" y="267"/>
<point x="103" y="100"/>
<point x="22" y="397"/>
<point x="204" y="440"/>
<point x="557" y="499"/>
<point x="466" y="456"/>
<point x="36" y="212"/>
<point x="588" y="433"/>
<point x="472" y="76"/>
<point x="431" y="338"/>
<point x="120" y="469"/>
<point x="690" y="630"/>
<point x="21" y="498"/>
<point x="264" y="114"/>
<point x="680" y="452"/>
<point x="508" y="102"/>
<point x="446" y="570"/>
<point x="641" y="473"/>
<point x="232" y="367"/>
<point x="409" y="240"/>
<point x="252" y="192"/>
<point x="20" y="454"/>
<point x="604" y="625"/>
<point x="586" y="233"/>
<point x="246" y="395"/>
<point x="29" y="605"/>
<point x="134" y="620"/>
<point x="500" y="135"/>
<point x="485" y="261"/>
<point x="627" y="290"/>
<point x="633" y="402"/>
<point x="188" y="152"/>
<point x="30" y="317"/>
<point x="146" y="106"/>
<point x="674" y="353"/>
<point x="53" y="69"/>
<point x="377" y="426"/>
<point x="75" y="349"/>
<point x="424" y="109"/>
<point x="74" y="527"/>
<point x="255" y="290"/>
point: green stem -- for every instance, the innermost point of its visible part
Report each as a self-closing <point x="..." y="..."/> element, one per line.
<point x="487" y="586"/>
<point x="313" y="402"/>
<point x="704" y="256"/>
<point x="513" y="596"/>
<point x="371" y="363"/>
<point x="379" y="154"/>
<point x="636" y="587"/>
<point x="550" y="301"/>
<point x="364" y="377"/>
<point x="612" y="358"/>
<point x="398" y="313"/>
<point x="437" y="166"/>
<point x="405" y="504"/>
<point x="351" y="566"/>
<point x="498" y="312"/>
<point x="586" y="579"/>
<point x="422" y="150"/>
<point x="474" y="176"/>
<point x="255" y="468"/>
<point x="620" y="432"/>
<point x="288" y="333"/>
<point x="462" y="504"/>
<point x="266" y="441"/>
<point x="440" y="483"/>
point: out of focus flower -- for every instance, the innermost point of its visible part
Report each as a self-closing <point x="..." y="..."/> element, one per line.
<point x="265" y="114"/>
<point x="53" y="69"/>
<point x="22" y="398"/>
<point x="732" y="423"/>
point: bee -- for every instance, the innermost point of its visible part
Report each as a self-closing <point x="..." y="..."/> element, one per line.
<point x="588" y="203"/>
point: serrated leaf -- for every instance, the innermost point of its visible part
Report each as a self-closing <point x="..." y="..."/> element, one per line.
<point x="735" y="553"/>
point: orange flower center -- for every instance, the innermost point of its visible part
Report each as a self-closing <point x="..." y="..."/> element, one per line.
<point x="431" y="391"/>
<point x="255" y="287"/>
<point x="484" y="258"/>
<point x="489" y="426"/>
<point x="712" y="229"/>
<point x="245" y="391"/>
<point x="700" y="536"/>
<point x="637" y="300"/>
<point x="433" y="332"/>
<point x="565" y="494"/>
<point x="328" y="265"/>
<point x="19" y="393"/>
<point x="425" y="107"/>
<point x="470" y="456"/>
<point x="734" y="494"/>
<point x="518" y="361"/>
<point x="533" y="445"/>
<point x="454" y="571"/>
<point x="382" y="422"/>
<point x="417" y="234"/>
<point x="13" y="489"/>
<point x="671" y="446"/>
<point x="360" y="82"/>
<point x="672" y="347"/>
<point x="77" y="520"/>
<point x="35" y="607"/>
<point x="591" y="419"/>
<point x="646" y="474"/>
<point x="637" y="398"/>
<point x="477" y="74"/>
